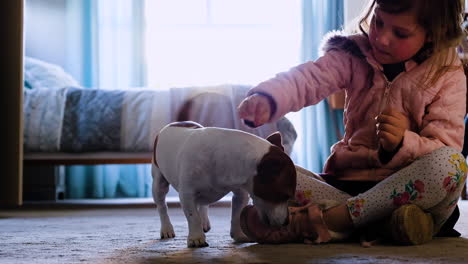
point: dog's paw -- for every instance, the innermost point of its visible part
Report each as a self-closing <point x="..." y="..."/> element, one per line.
<point x="167" y="232"/>
<point x="196" y="242"/>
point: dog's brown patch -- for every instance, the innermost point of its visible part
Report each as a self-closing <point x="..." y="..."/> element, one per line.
<point x="154" y="151"/>
<point x="188" y="124"/>
<point x="276" y="177"/>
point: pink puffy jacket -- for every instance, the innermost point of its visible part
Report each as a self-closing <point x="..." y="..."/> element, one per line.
<point x="436" y="113"/>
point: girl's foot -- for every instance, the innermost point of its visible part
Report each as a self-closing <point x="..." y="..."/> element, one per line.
<point x="410" y="225"/>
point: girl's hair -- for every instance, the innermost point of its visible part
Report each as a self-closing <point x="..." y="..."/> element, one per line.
<point x="442" y="20"/>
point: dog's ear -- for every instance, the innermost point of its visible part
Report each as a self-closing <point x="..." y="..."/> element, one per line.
<point x="276" y="177"/>
<point x="276" y="140"/>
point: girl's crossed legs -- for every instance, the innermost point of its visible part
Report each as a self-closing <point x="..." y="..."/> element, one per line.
<point x="433" y="182"/>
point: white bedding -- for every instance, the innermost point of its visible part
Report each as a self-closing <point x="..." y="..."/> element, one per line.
<point x="75" y="119"/>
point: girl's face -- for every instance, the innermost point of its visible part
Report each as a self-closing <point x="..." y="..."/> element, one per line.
<point x="395" y="37"/>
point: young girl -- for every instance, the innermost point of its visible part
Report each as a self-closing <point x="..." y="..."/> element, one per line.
<point x="404" y="119"/>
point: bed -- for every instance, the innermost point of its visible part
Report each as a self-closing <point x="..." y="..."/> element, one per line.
<point x="66" y="124"/>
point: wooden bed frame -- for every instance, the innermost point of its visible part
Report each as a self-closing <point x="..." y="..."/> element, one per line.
<point x="86" y="158"/>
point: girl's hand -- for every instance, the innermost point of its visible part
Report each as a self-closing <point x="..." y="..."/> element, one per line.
<point x="391" y="127"/>
<point x="255" y="110"/>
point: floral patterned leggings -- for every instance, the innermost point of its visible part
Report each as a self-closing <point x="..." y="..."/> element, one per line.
<point x="434" y="182"/>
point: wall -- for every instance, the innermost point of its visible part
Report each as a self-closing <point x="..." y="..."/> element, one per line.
<point x="53" y="33"/>
<point x="45" y="30"/>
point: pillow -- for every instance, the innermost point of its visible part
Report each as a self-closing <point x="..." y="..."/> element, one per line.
<point x="40" y="74"/>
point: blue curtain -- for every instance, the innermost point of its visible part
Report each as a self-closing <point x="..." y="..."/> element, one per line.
<point x="106" y="51"/>
<point x="318" y="128"/>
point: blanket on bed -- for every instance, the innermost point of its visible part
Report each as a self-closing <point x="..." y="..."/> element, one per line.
<point x="76" y="119"/>
<point x="60" y="115"/>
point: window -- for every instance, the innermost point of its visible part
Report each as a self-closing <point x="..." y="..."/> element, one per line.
<point x="211" y="42"/>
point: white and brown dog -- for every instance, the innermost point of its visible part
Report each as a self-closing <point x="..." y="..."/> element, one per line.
<point x="205" y="163"/>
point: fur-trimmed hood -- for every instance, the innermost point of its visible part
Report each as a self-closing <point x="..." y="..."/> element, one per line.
<point x="358" y="45"/>
<point x="348" y="43"/>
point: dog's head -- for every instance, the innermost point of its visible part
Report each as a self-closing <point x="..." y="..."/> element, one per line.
<point x="274" y="184"/>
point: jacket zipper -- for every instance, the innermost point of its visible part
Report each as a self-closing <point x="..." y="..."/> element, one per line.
<point x="388" y="84"/>
<point x="384" y="102"/>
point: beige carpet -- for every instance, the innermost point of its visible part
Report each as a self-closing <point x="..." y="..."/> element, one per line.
<point x="130" y="235"/>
